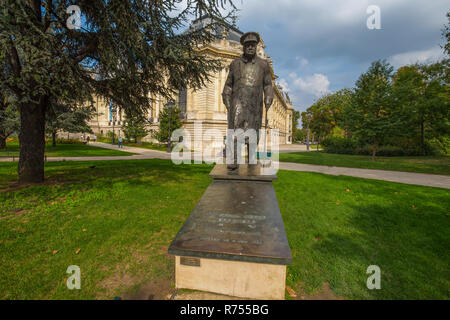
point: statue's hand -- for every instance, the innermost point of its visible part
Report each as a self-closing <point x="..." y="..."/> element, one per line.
<point x="227" y="104"/>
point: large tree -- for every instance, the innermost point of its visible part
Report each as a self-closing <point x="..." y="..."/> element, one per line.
<point x="296" y="135"/>
<point x="436" y="101"/>
<point x="446" y="35"/>
<point x="321" y="122"/>
<point x="421" y="95"/>
<point x="336" y="105"/>
<point x="328" y="112"/>
<point x="68" y="118"/>
<point x="123" y="50"/>
<point x="368" y="116"/>
<point x="134" y="127"/>
<point x="169" y="121"/>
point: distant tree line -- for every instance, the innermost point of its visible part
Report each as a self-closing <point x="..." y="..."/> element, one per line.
<point x="386" y="113"/>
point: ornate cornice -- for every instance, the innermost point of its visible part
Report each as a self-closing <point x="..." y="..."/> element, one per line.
<point x="220" y="52"/>
<point x="282" y="99"/>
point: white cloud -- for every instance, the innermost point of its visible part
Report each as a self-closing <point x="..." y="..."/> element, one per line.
<point x="303" y="61"/>
<point x="411" y="57"/>
<point x="317" y="84"/>
<point x="309" y="39"/>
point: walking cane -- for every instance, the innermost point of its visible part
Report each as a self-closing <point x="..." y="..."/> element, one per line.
<point x="265" y="137"/>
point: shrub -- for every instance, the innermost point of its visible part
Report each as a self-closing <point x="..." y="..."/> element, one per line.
<point x="110" y="135"/>
<point x="390" y="151"/>
<point x="438" y="147"/>
<point x="364" y="150"/>
<point x="339" y="145"/>
<point x="69" y="141"/>
<point x="342" y="145"/>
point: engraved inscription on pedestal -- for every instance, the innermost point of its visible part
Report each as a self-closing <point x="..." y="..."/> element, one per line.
<point x="237" y="235"/>
<point x="235" y="220"/>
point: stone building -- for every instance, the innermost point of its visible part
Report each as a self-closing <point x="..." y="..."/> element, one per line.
<point x="205" y="105"/>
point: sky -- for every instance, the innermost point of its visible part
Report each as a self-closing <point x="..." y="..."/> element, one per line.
<point x="321" y="46"/>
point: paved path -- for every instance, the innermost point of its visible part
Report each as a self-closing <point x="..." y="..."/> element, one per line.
<point x="288" y="148"/>
<point x="148" y="153"/>
<point x="141" y="154"/>
<point x="423" y="179"/>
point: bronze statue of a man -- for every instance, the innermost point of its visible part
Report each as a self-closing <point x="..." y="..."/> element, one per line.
<point x="248" y="79"/>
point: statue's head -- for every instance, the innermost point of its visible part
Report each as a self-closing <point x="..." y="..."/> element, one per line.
<point x="250" y="42"/>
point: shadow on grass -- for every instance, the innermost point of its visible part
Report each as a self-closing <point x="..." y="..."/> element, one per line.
<point x="87" y="172"/>
<point x="114" y="220"/>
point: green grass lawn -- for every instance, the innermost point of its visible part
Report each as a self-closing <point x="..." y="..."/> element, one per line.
<point x="147" y="145"/>
<point x="66" y="150"/>
<point x="338" y="226"/>
<point x="429" y="164"/>
<point x="122" y="216"/>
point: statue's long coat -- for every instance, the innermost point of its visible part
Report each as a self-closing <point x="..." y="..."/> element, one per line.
<point x="243" y="92"/>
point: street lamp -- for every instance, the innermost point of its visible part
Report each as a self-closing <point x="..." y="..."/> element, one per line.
<point x="169" y="105"/>
<point x="112" y="110"/>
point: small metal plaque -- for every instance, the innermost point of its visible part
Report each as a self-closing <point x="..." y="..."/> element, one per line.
<point x="190" y="261"/>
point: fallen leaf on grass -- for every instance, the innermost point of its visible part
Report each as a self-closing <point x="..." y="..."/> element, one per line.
<point x="414" y="207"/>
<point x="76" y="252"/>
<point x="55" y="251"/>
<point x="338" y="202"/>
<point x="84" y="230"/>
<point x="348" y="190"/>
<point x="291" y="292"/>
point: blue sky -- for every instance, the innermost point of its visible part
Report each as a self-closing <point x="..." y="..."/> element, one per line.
<point x="320" y="46"/>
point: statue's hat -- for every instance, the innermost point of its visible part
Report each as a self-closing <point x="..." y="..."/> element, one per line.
<point x="250" y="36"/>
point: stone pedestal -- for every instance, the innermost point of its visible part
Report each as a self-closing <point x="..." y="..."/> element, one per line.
<point x="234" y="241"/>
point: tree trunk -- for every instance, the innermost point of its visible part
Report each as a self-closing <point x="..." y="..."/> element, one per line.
<point x="2" y="142"/>
<point x="32" y="142"/>
<point x="2" y="131"/>
<point x="422" y="136"/>
<point x="318" y="142"/>
<point x="54" y="138"/>
<point x="374" y="151"/>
